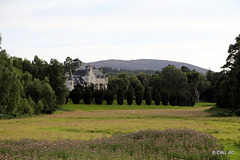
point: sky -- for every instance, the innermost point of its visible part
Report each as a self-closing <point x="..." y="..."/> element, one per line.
<point x="198" y="32"/>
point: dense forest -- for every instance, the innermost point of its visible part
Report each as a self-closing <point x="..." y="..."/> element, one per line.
<point x="30" y="87"/>
<point x="38" y="87"/>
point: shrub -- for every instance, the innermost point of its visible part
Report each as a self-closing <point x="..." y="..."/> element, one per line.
<point x="130" y="95"/>
<point x="219" y="112"/>
<point x="120" y="96"/>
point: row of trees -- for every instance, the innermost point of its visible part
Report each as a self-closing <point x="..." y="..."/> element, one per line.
<point x="98" y="95"/>
<point x="171" y="85"/>
<point x="30" y="87"/>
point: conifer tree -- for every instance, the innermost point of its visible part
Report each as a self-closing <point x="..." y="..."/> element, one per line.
<point x="87" y="96"/>
<point x="147" y="96"/>
<point x="98" y="96"/>
<point x="120" y="96"/>
<point x="139" y="95"/>
<point x="156" y="96"/>
<point x="165" y="98"/>
<point x="108" y="96"/>
<point x="130" y="95"/>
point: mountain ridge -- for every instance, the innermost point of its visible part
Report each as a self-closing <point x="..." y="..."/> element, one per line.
<point x="143" y="64"/>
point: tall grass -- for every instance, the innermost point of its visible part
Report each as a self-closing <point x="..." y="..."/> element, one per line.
<point x="144" y="144"/>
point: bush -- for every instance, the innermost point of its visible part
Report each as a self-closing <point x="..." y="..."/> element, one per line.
<point x="120" y="96"/>
<point x="87" y="96"/>
<point x="130" y="95"/>
<point x="219" y="112"/>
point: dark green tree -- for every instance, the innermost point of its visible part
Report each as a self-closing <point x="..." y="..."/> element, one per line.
<point x="120" y="96"/>
<point x="87" y="96"/>
<point x="156" y="96"/>
<point x="108" y="96"/>
<point x="39" y="68"/>
<point x="123" y="75"/>
<point x="118" y="83"/>
<point x="156" y="81"/>
<point x="147" y="96"/>
<point x="134" y="82"/>
<point x="141" y="77"/>
<point x="98" y="96"/>
<point x="139" y="95"/>
<point x="185" y="69"/>
<point x="173" y="99"/>
<point x="57" y="80"/>
<point x="27" y="66"/>
<point x="165" y="97"/>
<point x="76" y="94"/>
<point x="174" y="79"/>
<point x="10" y="85"/>
<point x="228" y="88"/>
<point x="130" y="95"/>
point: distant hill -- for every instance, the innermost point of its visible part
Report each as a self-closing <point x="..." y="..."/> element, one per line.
<point x="145" y="64"/>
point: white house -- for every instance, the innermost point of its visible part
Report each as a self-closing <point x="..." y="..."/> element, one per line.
<point x="85" y="76"/>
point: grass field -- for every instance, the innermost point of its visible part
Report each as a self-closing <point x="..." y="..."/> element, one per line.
<point x="95" y="121"/>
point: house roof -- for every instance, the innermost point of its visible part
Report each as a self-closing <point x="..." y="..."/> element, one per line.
<point x="97" y="72"/>
<point x="82" y="72"/>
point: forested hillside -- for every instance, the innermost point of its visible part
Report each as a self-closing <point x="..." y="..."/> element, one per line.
<point x="143" y="64"/>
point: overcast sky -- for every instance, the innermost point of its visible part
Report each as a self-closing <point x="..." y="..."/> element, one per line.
<point x="192" y="31"/>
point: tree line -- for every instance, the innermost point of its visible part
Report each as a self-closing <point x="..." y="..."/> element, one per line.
<point x="172" y="86"/>
<point x="36" y="87"/>
<point x="226" y="84"/>
<point x="30" y="87"/>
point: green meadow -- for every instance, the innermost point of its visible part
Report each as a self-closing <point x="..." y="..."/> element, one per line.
<point x="93" y="121"/>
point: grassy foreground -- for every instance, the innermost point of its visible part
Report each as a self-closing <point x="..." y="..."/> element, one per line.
<point x="88" y="122"/>
<point x="144" y="144"/>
